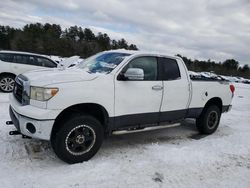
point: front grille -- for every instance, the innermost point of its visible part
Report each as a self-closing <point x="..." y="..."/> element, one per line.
<point x="21" y="89"/>
<point x="18" y="90"/>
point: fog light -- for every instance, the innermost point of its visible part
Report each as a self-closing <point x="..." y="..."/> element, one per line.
<point x="31" y="128"/>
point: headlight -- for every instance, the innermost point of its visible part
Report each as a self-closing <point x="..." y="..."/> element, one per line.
<point x="42" y="94"/>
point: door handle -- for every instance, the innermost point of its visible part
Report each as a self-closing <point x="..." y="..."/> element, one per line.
<point x="157" y="87"/>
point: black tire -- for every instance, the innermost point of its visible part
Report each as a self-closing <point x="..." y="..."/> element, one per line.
<point x="209" y="120"/>
<point x="78" y="139"/>
<point x="7" y="83"/>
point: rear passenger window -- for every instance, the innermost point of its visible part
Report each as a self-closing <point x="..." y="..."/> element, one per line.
<point x="45" y="62"/>
<point x="169" y="69"/>
<point x="21" y="59"/>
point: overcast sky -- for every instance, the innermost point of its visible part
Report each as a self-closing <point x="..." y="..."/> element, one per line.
<point x="203" y="29"/>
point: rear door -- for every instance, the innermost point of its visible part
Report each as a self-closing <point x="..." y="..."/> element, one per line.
<point x="176" y="92"/>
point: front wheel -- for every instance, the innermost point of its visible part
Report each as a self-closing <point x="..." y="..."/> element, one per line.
<point x="79" y="139"/>
<point x="209" y="120"/>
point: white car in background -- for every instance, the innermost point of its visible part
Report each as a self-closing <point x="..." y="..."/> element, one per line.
<point x="13" y="63"/>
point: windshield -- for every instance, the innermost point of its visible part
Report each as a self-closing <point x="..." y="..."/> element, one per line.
<point x="103" y="63"/>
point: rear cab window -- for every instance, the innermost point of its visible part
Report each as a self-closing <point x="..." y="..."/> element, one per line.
<point x="169" y="69"/>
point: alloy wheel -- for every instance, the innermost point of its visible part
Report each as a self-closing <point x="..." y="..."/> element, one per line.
<point x="212" y="119"/>
<point x="7" y="84"/>
<point x="80" y="140"/>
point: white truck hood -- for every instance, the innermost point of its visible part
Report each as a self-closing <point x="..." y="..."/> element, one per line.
<point x="50" y="76"/>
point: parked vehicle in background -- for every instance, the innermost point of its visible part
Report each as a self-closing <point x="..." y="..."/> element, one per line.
<point x="212" y="76"/>
<point x="246" y="81"/>
<point x="193" y="74"/>
<point x="55" y="58"/>
<point x="206" y="76"/>
<point x="70" y="61"/>
<point x="13" y="63"/>
<point x="112" y="91"/>
<point x="209" y="75"/>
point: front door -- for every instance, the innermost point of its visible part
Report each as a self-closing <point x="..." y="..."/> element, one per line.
<point x="138" y="101"/>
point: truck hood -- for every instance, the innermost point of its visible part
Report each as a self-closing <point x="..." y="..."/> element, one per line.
<point x="50" y="76"/>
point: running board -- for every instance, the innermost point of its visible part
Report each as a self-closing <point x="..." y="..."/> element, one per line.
<point x="145" y="129"/>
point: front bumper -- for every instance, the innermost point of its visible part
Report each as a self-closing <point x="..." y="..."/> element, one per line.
<point x="41" y="129"/>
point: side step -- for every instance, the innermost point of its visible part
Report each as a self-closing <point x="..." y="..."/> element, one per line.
<point x="145" y="129"/>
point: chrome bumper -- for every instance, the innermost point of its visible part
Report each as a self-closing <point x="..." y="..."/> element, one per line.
<point x="40" y="129"/>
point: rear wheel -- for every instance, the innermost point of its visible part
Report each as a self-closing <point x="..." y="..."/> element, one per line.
<point x="209" y="120"/>
<point x="7" y="83"/>
<point x="79" y="139"/>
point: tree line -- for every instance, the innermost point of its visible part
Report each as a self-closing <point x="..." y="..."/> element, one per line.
<point x="51" y="39"/>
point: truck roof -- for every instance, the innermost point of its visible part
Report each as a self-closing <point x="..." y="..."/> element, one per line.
<point x="137" y="52"/>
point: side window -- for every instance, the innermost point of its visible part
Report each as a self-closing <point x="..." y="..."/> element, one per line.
<point x="147" y="64"/>
<point x="21" y="59"/>
<point x="45" y="62"/>
<point x="2" y="58"/>
<point x="32" y="61"/>
<point x="6" y="57"/>
<point x="169" y="69"/>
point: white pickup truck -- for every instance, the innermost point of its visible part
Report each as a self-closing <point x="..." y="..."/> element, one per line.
<point x="112" y="91"/>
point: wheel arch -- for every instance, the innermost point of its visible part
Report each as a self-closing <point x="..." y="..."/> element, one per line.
<point x="202" y="121"/>
<point x="7" y="73"/>
<point x="214" y="101"/>
<point x="93" y="109"/>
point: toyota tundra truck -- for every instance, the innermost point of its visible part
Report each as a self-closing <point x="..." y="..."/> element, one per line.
<point x="118" y="90"/>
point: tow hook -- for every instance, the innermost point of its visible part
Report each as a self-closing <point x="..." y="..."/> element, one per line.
<point x="26" y="137"/>
<point x="16" y="132"/>
<point x="9" y="122"/>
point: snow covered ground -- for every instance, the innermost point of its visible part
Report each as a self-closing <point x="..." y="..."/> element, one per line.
<point x="172" y="157"/>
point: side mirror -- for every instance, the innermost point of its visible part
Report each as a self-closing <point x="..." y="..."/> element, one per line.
<point x="134" y="74"/>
